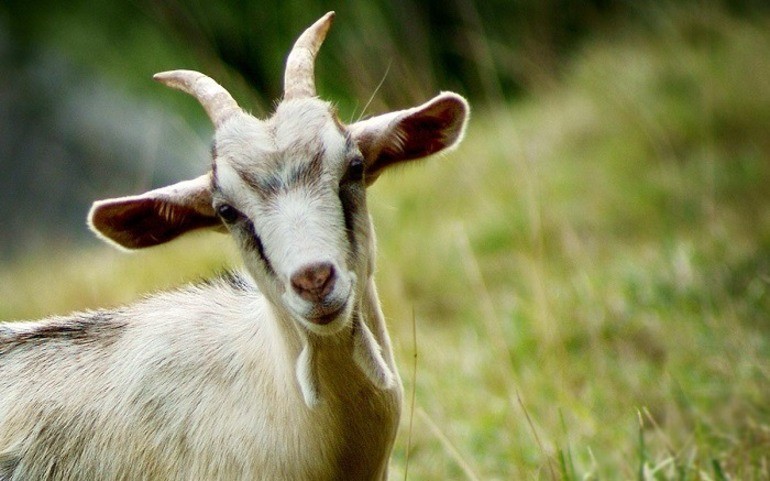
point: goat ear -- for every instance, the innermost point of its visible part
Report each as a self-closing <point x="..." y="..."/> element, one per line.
<point x="155" y="217"/>
<point x="410" y="134"/>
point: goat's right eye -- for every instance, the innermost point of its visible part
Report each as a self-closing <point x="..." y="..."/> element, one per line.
<point x="228" y="213"/>
<point x="355" y="172"/>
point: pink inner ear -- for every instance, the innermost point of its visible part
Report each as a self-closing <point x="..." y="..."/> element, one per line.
<point x="420" y="136"/>
<point x="414" y="133"/>
<point x="144" y="222"/>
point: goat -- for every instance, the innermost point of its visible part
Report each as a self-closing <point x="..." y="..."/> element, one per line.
<point x="282" y="372"/>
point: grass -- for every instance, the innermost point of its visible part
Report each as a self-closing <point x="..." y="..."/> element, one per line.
<point x="586" y="278"/>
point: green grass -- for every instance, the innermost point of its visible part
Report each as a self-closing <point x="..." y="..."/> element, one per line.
<point x="587" y="275"/>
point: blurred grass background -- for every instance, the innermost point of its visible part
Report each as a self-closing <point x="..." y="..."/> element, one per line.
<point x="587" y="275"/>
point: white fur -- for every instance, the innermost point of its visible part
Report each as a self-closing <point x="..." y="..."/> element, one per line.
<point x="204" y="364"/>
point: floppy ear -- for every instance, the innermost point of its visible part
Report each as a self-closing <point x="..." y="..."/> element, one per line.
<point x="155" y="217"/>
<point x="414" y="133"/>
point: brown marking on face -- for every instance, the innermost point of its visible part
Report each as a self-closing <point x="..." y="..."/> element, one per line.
<point x="294" y="173"/>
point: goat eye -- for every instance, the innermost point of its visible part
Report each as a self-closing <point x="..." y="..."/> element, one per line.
<point x="228" y="213"/>
<point x="355" y="171"/>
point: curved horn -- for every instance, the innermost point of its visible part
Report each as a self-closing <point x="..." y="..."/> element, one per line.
<point x="299" y="79"/>
<point x="217" y="101"/>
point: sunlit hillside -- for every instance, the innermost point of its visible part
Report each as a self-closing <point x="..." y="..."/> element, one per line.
<point x="587" y="276"/>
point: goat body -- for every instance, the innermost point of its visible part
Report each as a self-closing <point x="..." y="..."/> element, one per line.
<point x="192" y="384"/>
<point x="282" y="372"/>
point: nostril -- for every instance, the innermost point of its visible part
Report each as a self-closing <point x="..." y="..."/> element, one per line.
<point x="314" y="282"/>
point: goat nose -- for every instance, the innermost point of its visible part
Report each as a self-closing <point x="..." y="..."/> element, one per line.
<point x="314" y="282"/>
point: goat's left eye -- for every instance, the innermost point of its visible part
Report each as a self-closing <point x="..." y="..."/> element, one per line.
<point x="228" y="213"/>
<point x="355" y="172"/>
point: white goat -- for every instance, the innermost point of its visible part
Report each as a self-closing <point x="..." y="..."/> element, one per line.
<point x="283" y="373"/>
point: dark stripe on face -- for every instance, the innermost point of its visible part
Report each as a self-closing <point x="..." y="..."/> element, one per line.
<point x="309" y="173"/>
<point x="265" y="187"/>
<point x="350" y="198"/>
<point x="299" y="174"/>
<point x="254" y="243"/>
<point x="214" y="178"/>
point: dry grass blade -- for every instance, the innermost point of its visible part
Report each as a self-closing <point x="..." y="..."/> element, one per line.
<point x="374" y="94"/>
<point x="537" y="436"/>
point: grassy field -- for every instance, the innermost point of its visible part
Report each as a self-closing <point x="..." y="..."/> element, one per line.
<point x="586" y="278"/>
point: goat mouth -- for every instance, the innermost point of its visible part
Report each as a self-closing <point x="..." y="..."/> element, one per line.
<point x="327" y="318"/>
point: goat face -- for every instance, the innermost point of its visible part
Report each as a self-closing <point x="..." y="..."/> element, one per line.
<point x="290" y="189"/>
<point x="291" y="192"/>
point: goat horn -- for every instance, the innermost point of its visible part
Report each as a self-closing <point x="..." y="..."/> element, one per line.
<point x="217" y="101"/>
<point x="299" y="79"/>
